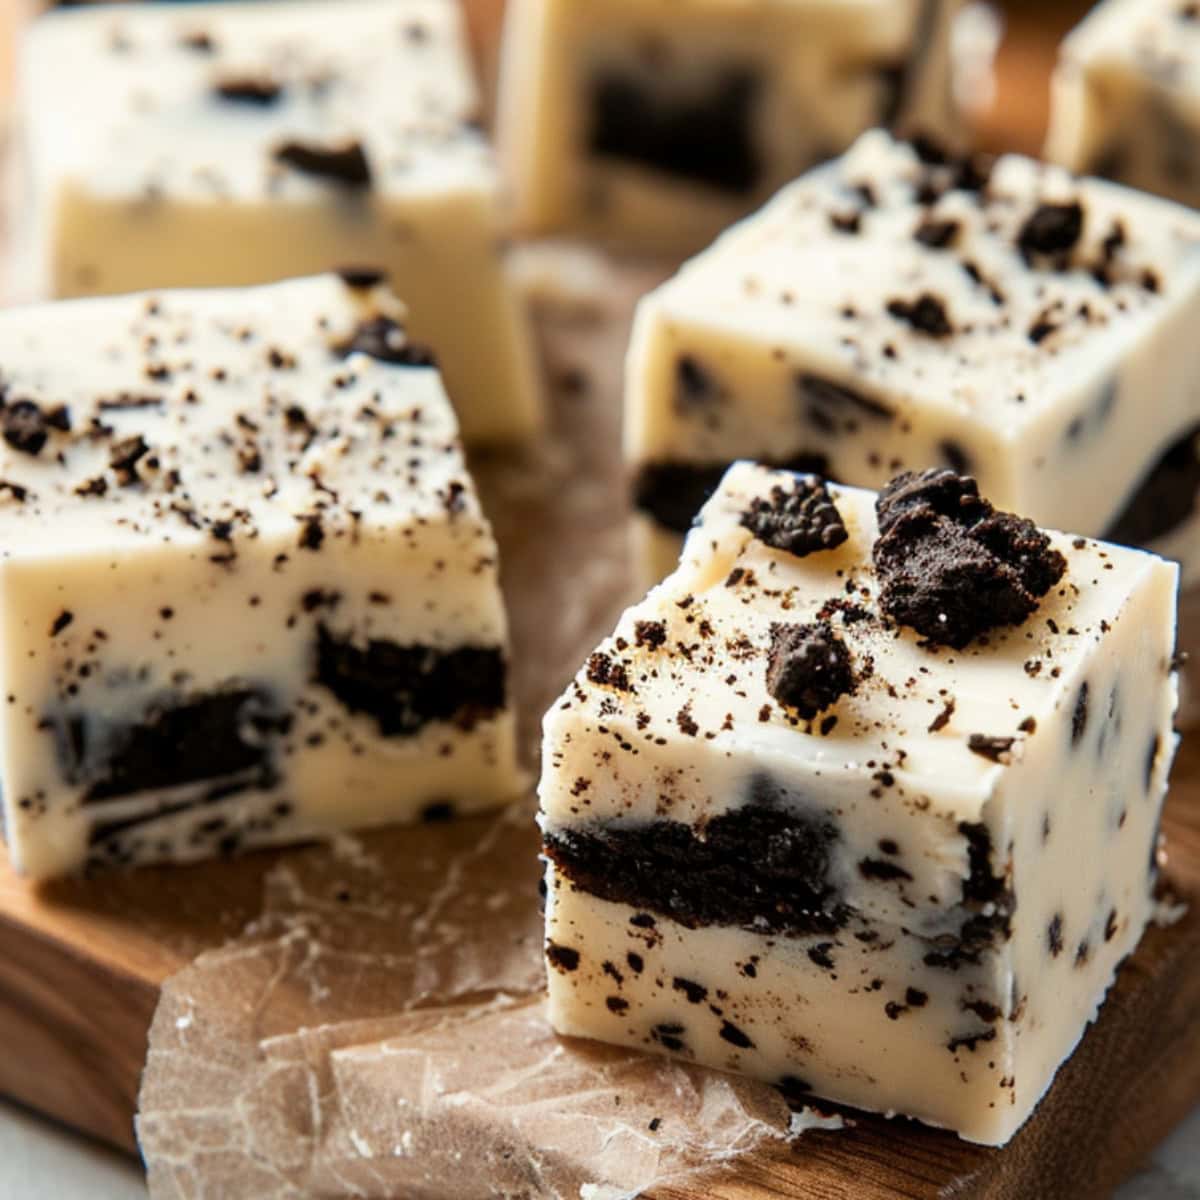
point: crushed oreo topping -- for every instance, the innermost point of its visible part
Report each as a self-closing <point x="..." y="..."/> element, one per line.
<point x="926" y="314"/>
<point x="937" y="234"/>
<point x="26" y="425"/>
<point x="346" y="164"/>
<point x="1051" y="229"/>
<point x="950" y="565"/>
<point x="808" y="668"/>
<point x="361" y="276"/>
<point x="801" y="521"/>
<point x="247" y="90"/>
<point x="996" y="749"/>
<point x="124" y="457"/>
<point x="384" y="339"/>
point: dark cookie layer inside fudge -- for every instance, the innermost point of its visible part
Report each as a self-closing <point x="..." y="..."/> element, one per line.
<point x="405" y="687"/>
<point x="215" y="736"/>
<point x="218" y="825"/>
<point x="757" y="867"/>
<point x="674" y="492"/>
<point x="1165" y="499"/>
<point x="706" y="137"/>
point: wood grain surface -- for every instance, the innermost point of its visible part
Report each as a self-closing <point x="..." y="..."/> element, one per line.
<point x="81" y="962"/>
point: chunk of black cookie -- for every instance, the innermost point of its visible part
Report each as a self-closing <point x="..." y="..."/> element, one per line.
<point x="926" y="314"/>
<point x="361" y="276"/>
<point x="1051" y="229"/>
<point x="346" y="164"/>
<point x="384" y="339"/>
<point x="801" y="521"/>
<point x="808" y="668"/>
<point x="26" y="425"/>
<point x="952" y="567"/>
<point x="245" y="89"/>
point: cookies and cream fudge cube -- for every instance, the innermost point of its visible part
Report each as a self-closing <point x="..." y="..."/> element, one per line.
<point x="233" y="144"/>
<point x="656" y="123"/>
<point x="1126" y="97"/>
<point x="247" y="593"/>
<point x="864" y="799"/>
<point x="901" y="309"/>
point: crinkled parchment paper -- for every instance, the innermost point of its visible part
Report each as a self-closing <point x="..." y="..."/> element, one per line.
<point x="378" y="1030"/>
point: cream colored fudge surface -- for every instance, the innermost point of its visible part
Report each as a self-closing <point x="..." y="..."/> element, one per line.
<point x="230" y="144"/>
<point x="656" y="123"/>
<point x="247" y="594"/>
<point x="912" y="899"/>
<point x="1126" y="97"/>
<point x="888" y="313"/>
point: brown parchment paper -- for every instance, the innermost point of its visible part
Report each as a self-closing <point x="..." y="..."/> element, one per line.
<point x="378" y="1030"/>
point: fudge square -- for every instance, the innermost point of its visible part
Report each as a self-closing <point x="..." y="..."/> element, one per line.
<point x="247" y="593"/>
<point x="233" y="144"/>
<point x="864" y="805"/>
<point x="899" y="310"/>
<point x="656" y="123"/>
<point x="1126" y="97"/>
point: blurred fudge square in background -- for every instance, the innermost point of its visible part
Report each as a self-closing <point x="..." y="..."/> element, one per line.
<point x="900" y="309"/>
<point x="1126" y="97"/>
<point x="231" y="144"/>
<point x="655" y="124"/>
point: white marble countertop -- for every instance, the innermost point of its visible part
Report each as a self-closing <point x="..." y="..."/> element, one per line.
<point x="41" y="1159"/>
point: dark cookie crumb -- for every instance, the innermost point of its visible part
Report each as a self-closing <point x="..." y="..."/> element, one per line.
<point x="1079" y="717"/>
<point x="124" y="457"/>
<point x="564" y="958"/>
<point x="926" y="314"/>
<point x="696" y="993"/>
<point x="383" y="339"/>
<point x="800" y="522"/>
<point x="998" y="749"/>
<point x="1051" y="229"/>
<point x="361" y="276"/>
<point x="26" y="426"/>
<point x="970" y="1041"/>
<point x="937" y="234"/>
<point x="735" y="1037"/>
<point x="651" y="634"/>
<point x="1054" y="935"/>
<point x="943" y="718"/>
<point x="246" y="90"/>
<point x="346" y="164"/>
<point x="602" y="670"/>
<point x="951" y="566"/>
<point x="808" y="668"/>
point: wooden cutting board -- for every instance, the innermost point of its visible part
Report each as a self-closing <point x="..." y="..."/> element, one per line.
<point x="81" y="964"/>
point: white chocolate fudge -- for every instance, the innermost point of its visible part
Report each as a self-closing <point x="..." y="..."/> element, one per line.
<point x="897" y="310"/>
<point x="1125" y="98"/>
<point x="656" y="123"/>
<point x="869" y="815"/>
<point x="247" y="594"/>
<point x="231" y="144"/>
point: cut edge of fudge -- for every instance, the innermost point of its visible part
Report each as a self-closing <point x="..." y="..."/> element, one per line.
<point x="726" y="914"/>
<point x="249" y="582"/>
